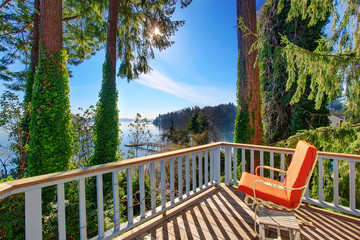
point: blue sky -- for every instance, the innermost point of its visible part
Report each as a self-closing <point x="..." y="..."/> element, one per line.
<point x="199" y="69"/>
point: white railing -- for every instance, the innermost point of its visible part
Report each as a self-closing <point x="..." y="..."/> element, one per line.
<point x="198" y="169"/>
<point x="276" y="157"/>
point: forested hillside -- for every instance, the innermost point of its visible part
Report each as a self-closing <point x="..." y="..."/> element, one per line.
<point x="220" y="117"/>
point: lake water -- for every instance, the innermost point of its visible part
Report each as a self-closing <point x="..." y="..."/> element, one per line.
<point x="124" y="127"/>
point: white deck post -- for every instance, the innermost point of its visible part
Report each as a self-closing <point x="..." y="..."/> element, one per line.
<point x="33" y="214"/>
<point x="227" y="165"/>
<point x="217" y="165"/>
<point x="187" y="175"/>
<point x="194" y="171"/>
<point x="200" y="169"/>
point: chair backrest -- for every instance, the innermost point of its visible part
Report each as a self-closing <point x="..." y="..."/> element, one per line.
<point x="299" y="169"/>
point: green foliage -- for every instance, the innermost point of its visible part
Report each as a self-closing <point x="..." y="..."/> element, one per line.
<point x="198" y="123"/>
<point x="282" y="117"/>
<point x="12" y="217"/>
<point x="335" y="61"/>
<point x="341" y="139"/>
<point x="106" y="127"/>
<point x="83" y="137"/>
<point x="50" y="135"/>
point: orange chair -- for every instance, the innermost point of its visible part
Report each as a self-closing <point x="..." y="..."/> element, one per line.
<point x="287" y="195"/>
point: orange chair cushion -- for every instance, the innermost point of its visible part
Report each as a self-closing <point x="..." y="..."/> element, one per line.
<point x="300" y="166"/>
<point x="277" y="196"/>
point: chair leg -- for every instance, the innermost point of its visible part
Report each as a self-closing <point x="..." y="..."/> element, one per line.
<point x="261" y="232"/>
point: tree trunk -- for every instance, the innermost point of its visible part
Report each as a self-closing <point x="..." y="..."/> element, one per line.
<point x="111" y="39"/>
<point x="51" y="25"/>
<point x="249" y="84"/>
<point x="36" y="37"/>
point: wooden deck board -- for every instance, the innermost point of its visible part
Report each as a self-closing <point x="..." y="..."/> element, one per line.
<point x="222" y="214"/>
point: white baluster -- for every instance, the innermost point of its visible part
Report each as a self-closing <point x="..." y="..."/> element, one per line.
<point x="336" y="182"/>
<point x="252" y="161"/>
<point x="180" y="178"/>
<point x="235" y="164"/>
<point x="172" y="197"/>
<point x="217" y="165"/>
<point x="82" y="209"/>
<point x="272" y="165"/>
<point x="33" y="214"/>
<point x="187" y="175"/>
<point x="115" y="180"/>
<point x="320" y="179"/>
<point x="212" y="165"/>
<point x="227" y="165"/>
<point x="129" y="195"/>
<point x="153" y="187"/>
<point x="261" y="162"/>
<point x="352" y="186"/>
<point x="206" y="177"/>
<point x="100" y="205"/>
<point x="200" y="169"/>
<point x="61" y="211"/>
<point x="194" y="172"/>
<point x="163" y="194"/>
<point x="243" y="160"/>
<point x="282" y="167"/>
<point x="142" y="190"/>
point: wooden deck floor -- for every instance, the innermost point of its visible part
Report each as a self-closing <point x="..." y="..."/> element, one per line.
<point x="220" y="213"/>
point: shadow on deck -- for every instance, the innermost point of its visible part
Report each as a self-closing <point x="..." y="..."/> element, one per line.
<point x="220" y="213"/>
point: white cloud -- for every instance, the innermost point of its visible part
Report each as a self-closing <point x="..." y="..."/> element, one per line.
<point x="206" y="95"/>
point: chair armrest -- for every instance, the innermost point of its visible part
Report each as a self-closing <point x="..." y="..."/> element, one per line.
<point x="274" y="185"/>
<point x="269" y="168"/>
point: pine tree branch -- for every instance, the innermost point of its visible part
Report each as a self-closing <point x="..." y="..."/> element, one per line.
<point x="305" y="133"/>
<point x="5" y="3"/>
<point x="70" y="18"/>
<point x="21" y="30"/>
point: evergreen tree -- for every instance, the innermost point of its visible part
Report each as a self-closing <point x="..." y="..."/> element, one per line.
<point x="281" y="118"/>
<point x="336" y="60"/>
<point x="137" y="23"/>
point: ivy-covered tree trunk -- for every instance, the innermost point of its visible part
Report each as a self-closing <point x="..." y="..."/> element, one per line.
<point x="248" y="120"/>
<point x="50" y="137"/>
<point x="107" y="120"/>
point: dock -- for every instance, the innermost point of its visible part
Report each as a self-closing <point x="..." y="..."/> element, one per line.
<point x="149" y="146"/>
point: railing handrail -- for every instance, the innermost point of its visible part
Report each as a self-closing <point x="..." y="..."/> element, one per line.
<point x="7" y="187"/>
<point x="52" y="177"/>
